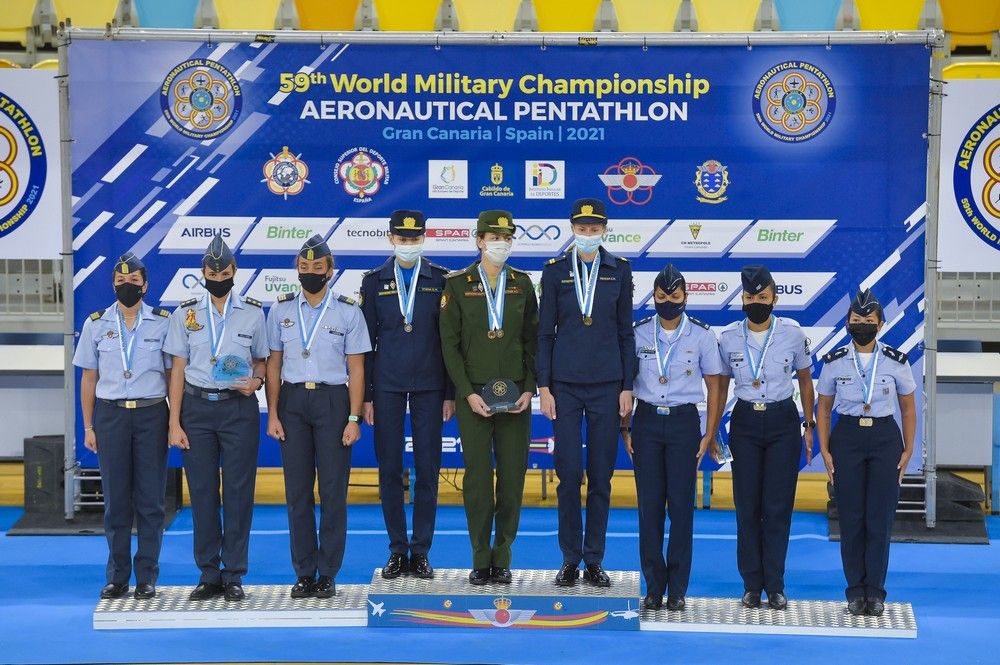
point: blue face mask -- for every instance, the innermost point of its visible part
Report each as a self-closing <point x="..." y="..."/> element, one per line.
<point x="587" y="244"/>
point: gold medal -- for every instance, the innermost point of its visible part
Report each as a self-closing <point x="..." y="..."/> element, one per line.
<point x="588" y="320"/>
<point x="492" y="334"/>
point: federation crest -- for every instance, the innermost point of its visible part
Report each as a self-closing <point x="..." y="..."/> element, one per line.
<point x="201" y="99"/>
<point x="285" y="174"/>
<point x="794" y="101"/>
<point x="362" y="173"/>
<point x="629" y="181"/>
<point x="976" y="177"/>
<point x="711" y="179"/>
<point x="23" y="165"/>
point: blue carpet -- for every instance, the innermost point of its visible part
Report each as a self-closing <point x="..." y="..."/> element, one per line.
<point x="48" y="589"/>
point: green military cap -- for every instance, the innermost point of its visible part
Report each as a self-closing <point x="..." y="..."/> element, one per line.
<point x="495" y="221"/>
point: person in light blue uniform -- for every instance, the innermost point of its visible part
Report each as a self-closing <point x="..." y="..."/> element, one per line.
<point x="866" y="455"/>
<point x="123" y="392"/>
<point x="316" y="384"/>
<point x="219" y="345"/>
<point x="678" y="359"/>
<point x="766" y="356"/>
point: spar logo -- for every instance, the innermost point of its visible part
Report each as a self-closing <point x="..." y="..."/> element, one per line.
<point x="201" y="99"/>
<point x="794" y="101"/>
<point x="362" y="172"/>
<point x="977" y="178"/>
<point x="22" y="165"/>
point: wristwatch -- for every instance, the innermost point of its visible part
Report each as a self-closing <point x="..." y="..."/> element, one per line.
<point x="354" y="419"/>
<point x="261" y="381"/>
<point x="809" y="424"/>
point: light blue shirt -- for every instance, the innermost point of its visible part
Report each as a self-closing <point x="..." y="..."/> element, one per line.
<point x="245" y="337"/>
<point x="789" y="352"/>
<point x="342" y="332"/>
<point x="696" y="356"/>
<point x="839" y="378"/>
<point x="99" y="347"/>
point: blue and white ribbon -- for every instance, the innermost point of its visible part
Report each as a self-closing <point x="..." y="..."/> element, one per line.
<point x="585" y="283"/>
<point x="663" y="361"/>
<point x="308" y="338"/>
<point x="867" y="385"/>
<point x="216" y="337"/>
<point x="756" y="369"/>
<point x="127" y="348"/>
<point x="494" y="299"/>
<point x="407" y="297"/>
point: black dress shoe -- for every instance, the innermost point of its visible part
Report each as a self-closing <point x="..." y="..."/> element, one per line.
<point x="234" y="592"/>
<point x="395" y="566"/>
<point x="480" y="576"/>
<point x="420" y="566"/>
<point x="303" y="587"/>
<point x="751" y="600"/>
<point x="111" y="591"/>
<point x="675" y="603"/>
<point x="325" y="587"/>
<point x="567" y="575"/>
<point x="500" y="575"/>
<point x="206" y="591"/>
<point x="777" y="601"/>
<point x="144" y="591"/>
<point x="653" y="601"/>
<point x="875" y="607"/>
<point x="594" y="574"/>
<point x="857" y="606"/>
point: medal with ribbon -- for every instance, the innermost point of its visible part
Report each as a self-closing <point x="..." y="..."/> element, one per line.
<point x="216" y="337"/>
<point x="867" y="385"/>
<point x="407" y="296"/>
<point x="585" y="283"/>
<point x="756" y="369"/>
<point x="308" y="338"/>
<point x="127" y="348"/>
<point x="663" y="361"/>
<point x="494" y="302"/>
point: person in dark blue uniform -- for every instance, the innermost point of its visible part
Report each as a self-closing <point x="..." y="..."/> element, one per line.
<point x="677" y="354"/>
<point x="585" y="367"/>
<point x="315" y="384"/>
<point x="763" y="354"/>
<point x="400" y="301"/>
<point x="123" y="393"/>
<point x="219" y="344"/>
<point x="866" y="455"/>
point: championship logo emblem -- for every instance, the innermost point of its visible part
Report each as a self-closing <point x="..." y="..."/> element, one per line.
<point x="362" y="173"/>
<point x="711" y="179"/>
<point x="630" y="181"/>
<point x="794" y="101"/>
<point x="285" y="174"/>
<point x="22" y="165"/>
<point x="201" y="99"/>
<point x="976" y="177"/>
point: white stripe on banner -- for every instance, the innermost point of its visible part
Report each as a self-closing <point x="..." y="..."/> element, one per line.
<point x="146" y="216"/>
<point x="91" y="229"/>
<point x="124" y="162"/>
<point x="84" y="273"/>
<point x="221" y="50"/>
<point x="915" y="217"/>
<point x="191" y="201"/>
<point x="913" y="340"/>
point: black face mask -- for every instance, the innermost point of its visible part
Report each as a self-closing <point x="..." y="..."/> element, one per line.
<point x="758" y="312"/>
<point x="128" y="294"/>
<point x="220" y="288"/>
<point x="670" y="310"/>
<point x="863" y="333"/>
<point x="313" y="283"/>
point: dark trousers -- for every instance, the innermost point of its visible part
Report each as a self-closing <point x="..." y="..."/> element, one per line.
<point x="425" y="424"/>
<point x="598" y="403"/>
<point x="132" y="453"/>
<point x="314" y="422"/>
<point x="665" y="450"/>
<point x="766" y="447"/>
<point x="225" y="432"/>
<point x="866" y="486"/>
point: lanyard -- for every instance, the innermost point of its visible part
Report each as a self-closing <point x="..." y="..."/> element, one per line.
<point x="867" y="386"/>
<point x="494" y="301"/>
<point x="757" y="368"/>
<point x="127" y="349"/>
<point x="216" y="338"/>
<point x="586" y="285"/>
<point x="307" y="339"/>
<point x="407" y="298"/>
<point x="664" y="364"/>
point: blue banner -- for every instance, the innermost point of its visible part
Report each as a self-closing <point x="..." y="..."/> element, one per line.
<point x="808" y="158"/>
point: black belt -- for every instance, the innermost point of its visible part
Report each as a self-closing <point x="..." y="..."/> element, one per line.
<point x="866" y="421"/>
<point x="211" y="394"/>
<point x="666" y="410"/>
<point x="764" y="406"/>
<point x="133" y="403"/>
<point x="315" y="385"/>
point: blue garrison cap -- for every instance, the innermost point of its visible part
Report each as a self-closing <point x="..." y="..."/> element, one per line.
<point x="756" y="278"/>
<point x="314" y="248"/>
<point x="866" y="303"/>
<point x="218" y="256"/>
<point x="408" y="223"/>
<point x="669" y="279"/>
<point x="129" y="263"/>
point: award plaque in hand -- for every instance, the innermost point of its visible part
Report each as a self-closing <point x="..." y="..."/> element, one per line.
<point x="500" y="395"/>
<point x="230" y="368"/>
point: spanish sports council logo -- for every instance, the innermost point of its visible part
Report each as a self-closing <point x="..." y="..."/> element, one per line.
<point x="711" y="179"/>
<point x="201" y="99"/>
<point x="794" y="101"/>
<point x="22" y="165"/>
<point x="976" y="177"/>
<point x="285" y="174"/>
<point x="362" y="172"/>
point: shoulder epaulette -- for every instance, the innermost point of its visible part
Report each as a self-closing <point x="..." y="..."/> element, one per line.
<point x="435" y="266"/>
<point x="188" y="303"/>
<point x="368" y="272"/>
<point x="895" y="354"/>
<point x="346" y="299"/>
<point x="833" y="355"/>
<point x="698" y="323"/>
<point x="285" y="297"/>
<point x="455" y="273"/>
<point x="641" y="321"/>
<point x="789" y="322"/>
<point x="98" y="314"/>
<point x="159" y="311"/>
<point x="556" y="259"/>
<point x="252" y="301"/>
<point x="621" y="258"/>
<point x="732" y="327"/>
<point x="513" y="269"/>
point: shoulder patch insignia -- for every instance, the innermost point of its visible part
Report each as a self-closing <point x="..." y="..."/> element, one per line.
<point x="833" y="355"/>
<point x="895" y="354"/>
<point x="285" y="297"/>
<point x="435" y="266"/>
<point x="641" y="321"/>
<point x="159" y="311"/>
<point x="346" y="299"/>
<point x="698" y="323"/>
<point x="252" y="301"/>
<point x="444" y="301"/>
<point x="517" y="270"/>
<point x="188" y="303"/>
<point x="98" y="314"/>
<point x="455" y="273"/>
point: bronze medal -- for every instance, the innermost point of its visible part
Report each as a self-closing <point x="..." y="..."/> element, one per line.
<point x="663" y="379"/>
<point x="588" y="320"/>
<point x="867" y="408"/>
<point x="756" y="383"/>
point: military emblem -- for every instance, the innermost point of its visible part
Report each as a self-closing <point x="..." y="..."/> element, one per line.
<point x="111" y="334"/>
<point x="695" y="229"/>
<point x="794" y="101"/>
<point x="630" y="181"/>
<point x="496" y="174"/>
<point x="285" y="174"/>
<point x="287" y="323"/>
<point x="362" y="173"/>
<point x="191" y="321"/>
<point x="711" y="180"/>
<point x="444" y="300"/>
<point x="23" y="165"/>
<point x="201" y="99"/>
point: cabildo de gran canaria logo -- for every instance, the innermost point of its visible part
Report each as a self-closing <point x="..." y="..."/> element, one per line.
<point x="201" y="99"/>
<point x="22" y="165"/>
<point x="977" y="177"/>
<point x="794" y="101"/>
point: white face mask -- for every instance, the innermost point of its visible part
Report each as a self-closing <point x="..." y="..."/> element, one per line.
<point x="587" y="244"/>
<point x="408" y="253"/>
<point x="497" y="251"/>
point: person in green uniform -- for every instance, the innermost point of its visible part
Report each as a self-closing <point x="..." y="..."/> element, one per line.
<point x="489" y="326"/>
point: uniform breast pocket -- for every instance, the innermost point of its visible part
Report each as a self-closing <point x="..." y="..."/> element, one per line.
<point x="740" y="368"/>
<point x="107" y="345"/>
<point x="886" y="386"/>
<point x="686" y="365"/>
<point x="198" y="337"/>
<point x="779" y="365"/>
<point x="335" y="338"/>
<point x="290" y="339"/>
<point x="149" y="353"/>
<point x="647" y="364"/>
